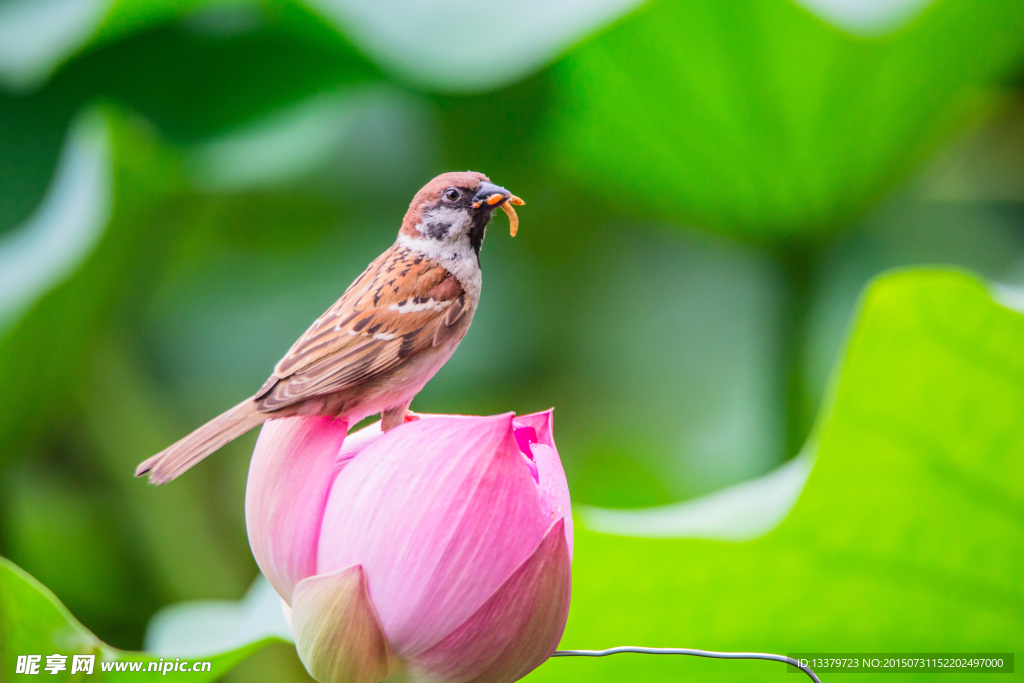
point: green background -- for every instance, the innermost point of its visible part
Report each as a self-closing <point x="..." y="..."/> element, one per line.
<point x="713" y="189"/>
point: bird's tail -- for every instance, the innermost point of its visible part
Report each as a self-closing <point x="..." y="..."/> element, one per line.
<point x="174" y="460"/>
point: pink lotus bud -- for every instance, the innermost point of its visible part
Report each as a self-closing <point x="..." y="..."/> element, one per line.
<point x="438" y="551"/>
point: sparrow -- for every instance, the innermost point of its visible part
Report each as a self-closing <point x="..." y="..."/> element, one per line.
<point x="382" y="341"/>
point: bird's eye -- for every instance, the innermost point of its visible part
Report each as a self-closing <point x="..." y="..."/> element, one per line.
<point x="451" y="194"/>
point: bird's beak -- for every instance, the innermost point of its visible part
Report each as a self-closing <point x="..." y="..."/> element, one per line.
<point x="494" y="195"/>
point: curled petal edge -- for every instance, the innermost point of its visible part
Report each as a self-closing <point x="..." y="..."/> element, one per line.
<point x="516" y="630"/>
<point x="337" y="633"/>
<point x="542" y="423"/>
<point x="548" y="467"/>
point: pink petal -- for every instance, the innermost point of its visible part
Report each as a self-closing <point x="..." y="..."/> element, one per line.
<point x="525" y="436"/>
<point x="515" y="630"/>
<point x="542" y="424"/>
<point x="337" y="633"/>
<point x="289" y="477"/>
<point x="439" y="512"/>
<point x="554" y="490"/>
<point x="357" y="441"/>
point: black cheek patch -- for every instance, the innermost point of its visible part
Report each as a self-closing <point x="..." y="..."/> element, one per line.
<point x="437" y="231"/>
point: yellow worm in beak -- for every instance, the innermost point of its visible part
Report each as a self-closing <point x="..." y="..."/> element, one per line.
<point x="513" y="219"/>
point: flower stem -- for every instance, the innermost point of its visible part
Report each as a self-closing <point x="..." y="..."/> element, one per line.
<point x="687" y="651"/>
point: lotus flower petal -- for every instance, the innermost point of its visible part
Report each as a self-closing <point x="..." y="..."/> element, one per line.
<point x="289" y="477"/>
<point x="356" y="442"/>
<point x="439" y="512"/>
<point x="337" y="633"/>
<point x="542" y="424"/>
<point x="515" y="630"/>
<point x="554" y="489"/>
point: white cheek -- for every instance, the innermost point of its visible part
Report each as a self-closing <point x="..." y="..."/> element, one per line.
<point x="457" y="220"/>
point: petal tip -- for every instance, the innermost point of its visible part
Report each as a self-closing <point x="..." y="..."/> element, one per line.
<point x="338" y="634"/>
<point x="543" y="423"/>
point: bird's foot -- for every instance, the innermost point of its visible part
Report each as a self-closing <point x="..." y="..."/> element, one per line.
<point x="398" y="416"/>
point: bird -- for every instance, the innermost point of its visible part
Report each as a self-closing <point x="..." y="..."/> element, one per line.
<point x="382" y="341"/>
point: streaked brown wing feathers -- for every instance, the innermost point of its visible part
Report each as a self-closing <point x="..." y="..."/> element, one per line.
<point x="396" y="308"/>
<point x="448" y="326"/>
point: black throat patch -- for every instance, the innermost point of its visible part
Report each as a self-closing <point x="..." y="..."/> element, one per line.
<point x="479" y="229"/>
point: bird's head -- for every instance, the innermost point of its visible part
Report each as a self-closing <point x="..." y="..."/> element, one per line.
<point x="456" y="207"/>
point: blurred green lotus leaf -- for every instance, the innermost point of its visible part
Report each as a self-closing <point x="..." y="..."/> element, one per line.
<point x="756" y="118"/>
<point x="99" y="229"/>
<point x="284" y="146"/>
<point x="902" y="233"/>
<point x="451" y="46"/>
<point x="36" y="36"/>
<point x="203" y="627"/>
<point x="759" y="119"/>
<point x="740" y="512"/>
<point x="907" y="536"/>
<point x="34" y="622"/>
<point x="866" y="17"/>
<point x="441" y="46"/>
<point x="317" y="136"/>
<point x="64" y="229"/>
<point x="699" y="403"/>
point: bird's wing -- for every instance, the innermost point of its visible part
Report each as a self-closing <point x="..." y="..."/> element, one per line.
<point x="401" y="305"/>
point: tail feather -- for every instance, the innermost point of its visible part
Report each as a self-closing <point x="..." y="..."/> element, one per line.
<point x="174" y="460"/>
